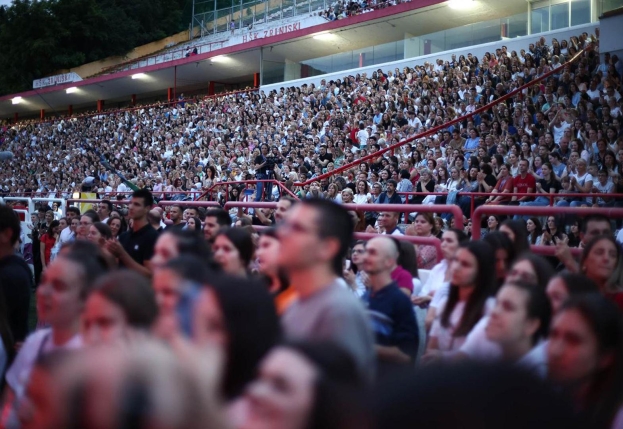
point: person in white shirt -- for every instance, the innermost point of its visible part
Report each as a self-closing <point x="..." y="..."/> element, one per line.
<point x="436" y="288"/>
<point x="471" y="280"/>
<point x="519" y="323"/>
<point x="68" y="234"/>
<point x="60" y="300"/>
<point x="362" y="136"/>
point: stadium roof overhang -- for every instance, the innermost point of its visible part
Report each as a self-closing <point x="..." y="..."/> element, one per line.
<point x="240" y="62"/>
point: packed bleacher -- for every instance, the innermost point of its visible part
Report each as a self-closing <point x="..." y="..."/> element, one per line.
<point x="153" y="308"/>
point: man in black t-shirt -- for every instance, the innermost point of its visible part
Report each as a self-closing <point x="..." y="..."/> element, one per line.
<point x="136" y="246"/>
<point x="15" y="276"/>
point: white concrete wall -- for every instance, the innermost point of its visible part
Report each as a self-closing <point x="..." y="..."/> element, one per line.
<point x="515" y="44"/>
<point x="610" y="35"/>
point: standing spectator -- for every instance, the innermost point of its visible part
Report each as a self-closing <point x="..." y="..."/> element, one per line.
<point x="312" y="251"/>
<point x="48" y="240"/>
<point x="16" y="280"/>
<point x="215" y="220"/>
<point x="136" y="246"/>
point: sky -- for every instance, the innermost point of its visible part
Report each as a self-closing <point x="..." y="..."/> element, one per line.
<point x="5" y="2"/>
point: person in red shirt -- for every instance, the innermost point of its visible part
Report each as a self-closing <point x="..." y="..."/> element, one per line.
<point x="523" y="183"/>
<point x="48" y="240"/>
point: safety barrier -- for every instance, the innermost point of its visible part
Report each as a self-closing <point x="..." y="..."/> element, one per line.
<point x="214" y="188"/>
<point x="446" y="124"/>
<point x="540" y="211"/>
<point x="423" y="241"/>
<point x="551" y="197"/>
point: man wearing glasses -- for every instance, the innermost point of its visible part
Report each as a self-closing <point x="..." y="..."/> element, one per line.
<point x="315" y="237"/>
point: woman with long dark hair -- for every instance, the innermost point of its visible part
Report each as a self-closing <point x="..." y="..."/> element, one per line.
<point x="585" y="357"/>
<point x="471" y="284"/>
<point x="278" y="282"/>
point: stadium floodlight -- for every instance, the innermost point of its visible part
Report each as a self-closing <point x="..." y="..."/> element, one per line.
<point x="139" y="76"/>
<point x="219" y="59"/>
<point x="71" y="90"/>
<point x="461" y="4"/>
<point x="17" y="100"/>
<point x="324" y="36"/>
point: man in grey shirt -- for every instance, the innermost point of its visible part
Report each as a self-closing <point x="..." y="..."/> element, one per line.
<point x="315" y="237"/>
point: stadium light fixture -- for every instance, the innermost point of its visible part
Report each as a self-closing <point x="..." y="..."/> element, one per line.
<point x="324" y="36"/>
<point x="17" y="100"/>
<point x="461" y="4"/>
<point x="219" y="59"/>
<point x="71" y="90"/>
<point x="139" y="76"/>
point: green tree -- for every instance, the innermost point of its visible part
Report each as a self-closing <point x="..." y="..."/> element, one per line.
<point x="40" y="37"/>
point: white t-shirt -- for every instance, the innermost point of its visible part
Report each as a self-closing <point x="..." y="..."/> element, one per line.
<point x="38" y="343"/>
<point x="435" y="279"/>
<point x="445" y="335"/>
<point x="361" y="198"/>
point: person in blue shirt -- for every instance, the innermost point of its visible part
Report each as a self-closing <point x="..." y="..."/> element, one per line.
<point x="472" y="143"/>
<point x="390" y="309"/>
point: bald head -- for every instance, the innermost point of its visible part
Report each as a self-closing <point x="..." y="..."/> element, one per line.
<point x="381" y="256"/>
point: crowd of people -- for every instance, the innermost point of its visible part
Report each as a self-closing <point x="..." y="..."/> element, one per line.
<point x="343" y="9"/>
<point x="205" y="320"/>
<point x="279" y="318"/>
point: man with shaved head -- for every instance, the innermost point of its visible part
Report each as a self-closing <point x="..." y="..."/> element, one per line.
<point x="391" y="310"/>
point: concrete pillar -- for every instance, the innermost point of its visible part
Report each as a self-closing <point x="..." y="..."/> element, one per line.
<point x="133" y="100"/>
<point x="42" y="114"/>
<point x="70" y="110"/>
<point x="100" y="105"/>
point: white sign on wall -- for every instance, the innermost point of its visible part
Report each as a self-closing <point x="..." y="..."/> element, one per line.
<point x="56" y="80"/>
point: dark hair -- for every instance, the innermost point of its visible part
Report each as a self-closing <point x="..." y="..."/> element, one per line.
<point x="252" y="328"/>
<point x="498" y="240"/>
<point x="337" y="386"/>
<point x="422" y="398"/>
<point x="340" y="228"/>
<point x="108" y="204"/>
<point x="197" y="229"/>
<point x="543" y="269"/>
<point x="538" y="230"/>
<point x="593" y="218"/>
<point x="103" y="229"/>
<point x="73" y="209"/>
<point x="537" y="307"/>
<point x="148" y="198"/>
<point x="521" y="234"/>
<point x="189" y="243"/>
<point x="605" y="392"/>
<point x="461" y="237"/>
<point x="483" y="287"/>
<point x="53" y="225"/>
<point x="133" y="293"/>
<point x="407" y="258"/>
<point x="577" y="284"/>
<point x="284" y="280"/>
<point x="91" y="214"/>
<point x="190" y="267"/>
<point x="594" y="241"/>
<point x="242" y="240"/>
<point x="124" y="224"/>
<point x="222" y="216"/>
<point x="10" y="220"/>
<point x="91" y="261"/>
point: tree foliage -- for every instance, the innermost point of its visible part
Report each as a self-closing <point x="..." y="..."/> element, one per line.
<point x="40" y="37"/>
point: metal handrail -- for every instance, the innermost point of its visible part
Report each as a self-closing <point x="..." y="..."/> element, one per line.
<point x="446" y="124"/>
<point x="538" y="211"/>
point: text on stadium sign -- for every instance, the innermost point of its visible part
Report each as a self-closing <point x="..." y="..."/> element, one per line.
<point x="56" y="80"/>
<point x="271" y="32"/>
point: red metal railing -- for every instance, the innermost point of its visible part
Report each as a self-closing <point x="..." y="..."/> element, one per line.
<point x="551" y="197"/>
<point x="424" y="241"/>
<point x="215" y="186"/>
<point x="447" y="124"/>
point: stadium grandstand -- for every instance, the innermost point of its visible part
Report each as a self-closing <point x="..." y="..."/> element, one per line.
<point x="307" y="199"/>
